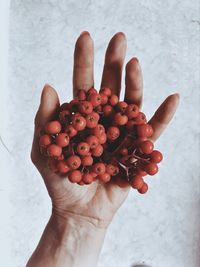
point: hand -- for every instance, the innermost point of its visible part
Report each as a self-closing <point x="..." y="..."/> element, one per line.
<point x="95" y="203"/>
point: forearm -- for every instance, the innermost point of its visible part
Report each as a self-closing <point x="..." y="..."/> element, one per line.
<point x="71" y="242"/>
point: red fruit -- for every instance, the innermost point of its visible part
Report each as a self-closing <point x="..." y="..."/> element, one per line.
<point x="114" y="99"/>
<point x="91" y="91"/>
<point x="92" y="120"/>
<point x="120" y="119"/>
<point x="121" y="106"/>
<point x="132" y="111"/>
<point x="143" y="189"/>
<point x="53" y="127"/>
<point x="79" y="123"/>
<point x="111" y="169"/>
<point x="54" y="150"/>
<point x="130" y="124"/>
<point x="83" y="148"/>
<point x="92" y="141"/>
<point x="64" y="116"/>
<point x="104" y="98"/>
<point x="123" y="151"/>
<point x="65" y="106"/>
<point x="94" y="175"/>
<point x="98" y="130"/>
<point x="74" y="104"/>
<point x="74" y="162"/>
<point x="140" y="119"/>
<point x="62" y="140"/>
<point x="146" y="147"/>
<point x="87" y="178"/>
<point x="62" y="166"/>
<point x="81" y="94"/>
<point x="97" y="151"/>
<point x="85" y="107"/>
<point x="106" y="91"/>
<point x="156" y="156"/>
<point x="70" y="130"/>
<point x="81" y="183"/>
<point x="99" y="168"/>
<point x="108" y="110"/>
<point x="113" y="133"/>
<point x="136" y="182"/>
<point x="61" y="157"/>
<point x="144" y="130"/>
<point x="95" y="99"/>
<point x="151" y="168"/>
<point x="102" y="138"/>
<point x="87" y="161"/>
<point x="141" y="172"/>
<point x="45" y="140"/>
<point x="105" y="177"/>
<point x="75" y="176"/>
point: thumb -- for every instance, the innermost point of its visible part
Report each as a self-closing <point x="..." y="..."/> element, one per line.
<point x="49" y="104"/>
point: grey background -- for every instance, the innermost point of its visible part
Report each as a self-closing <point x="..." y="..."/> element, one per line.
<point x="161" y="228"/>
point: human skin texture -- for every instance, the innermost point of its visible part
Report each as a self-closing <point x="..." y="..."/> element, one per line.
<point x="81" y="214"/>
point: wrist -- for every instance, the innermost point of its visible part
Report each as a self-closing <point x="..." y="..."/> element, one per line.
<point x="77" y="238"/>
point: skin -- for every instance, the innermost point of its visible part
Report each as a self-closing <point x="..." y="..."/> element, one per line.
<point x="92" y="206"/>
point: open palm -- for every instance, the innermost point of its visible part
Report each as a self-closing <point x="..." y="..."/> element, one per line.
<point x="96" y="202"/>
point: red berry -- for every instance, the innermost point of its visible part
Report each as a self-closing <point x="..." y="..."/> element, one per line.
<point x="70" y="130"/>
<point x="45" y="140"/>
<point x="95" y="99"/>
<point x="92" y="120"/>
<point x="120" y="119"/>
<point x="121" y="106"/>
<point x="83" y="148"/>
<point x="85" y="107"/>
<point x="64" y="116"/>
<point x="64" y="106"/>
<point x="99" y="168"/>
<point x="87" y="161"/>
<point x="123" y="151"/>
<point x="62" y="140"/>
<point x="91" y="91"/>
<point x="104" y="98"/>
<point x="141" y="172"/>
<point x="144" y="130"/>
<point x="74" y="162"/>
<point x="106" y="91"/>
<point x="98" y="130"/>
<point x="53" y="127"/>
<point x="156" y="156"/>
<point x="75" y="176"/>
<point x="92" y="141"/>
<point x="143" y="189"/>
<point x="79" y="123"/>
<point x="140" y="119"/>
<point x="81" y="94"/>
<point x="105" y="177"/>
<point x="111" y="169"/>
<point x="108" y="110"/>
<point x="74" y="104"/>
<point x="114" y="99"/>
<point x="97" y="151"/>
<point x="113" y="133"/>
<point x="87" y="178"/>
<point x="151" y="168"/>
<point x="62" y="166"/>
<point x="130" y="125"/>
<point x="146" y="147"/>
<point x="102" y="138"/>
<point x="132" y="111"/>
<point x="54" y="150"/>
<point x="136" y="182"/>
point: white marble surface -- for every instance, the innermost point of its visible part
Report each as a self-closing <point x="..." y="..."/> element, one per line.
<point x="162" y="228"/>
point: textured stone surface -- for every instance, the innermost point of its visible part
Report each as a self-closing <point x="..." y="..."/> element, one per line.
<point x="161" y="228"/>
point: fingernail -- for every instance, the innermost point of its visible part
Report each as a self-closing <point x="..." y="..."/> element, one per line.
<point x="120" y="33"/>
<point x="84" y="32"/>
<point x="135" y="59"/>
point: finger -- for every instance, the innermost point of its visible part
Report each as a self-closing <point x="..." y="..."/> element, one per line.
<point x="163" y="115"/>
<point x="83" y="63"/>
<point x="49" y="104"/>
<point x="114" y="59"/>
<point x="133" y="82"/>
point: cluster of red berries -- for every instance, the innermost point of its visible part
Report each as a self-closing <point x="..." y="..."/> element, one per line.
<point x="98" y="137"/>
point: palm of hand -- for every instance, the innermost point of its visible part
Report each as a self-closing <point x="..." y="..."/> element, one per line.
<point x="96" y="202"/>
